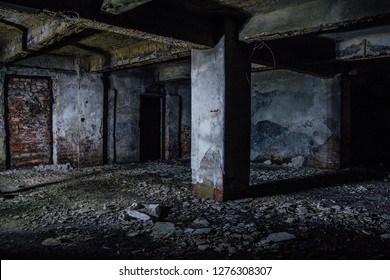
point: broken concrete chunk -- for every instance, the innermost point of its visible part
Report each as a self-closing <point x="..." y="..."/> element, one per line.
<point x="280" y="236"/>
<point x="203" y="247"/>
<point x="267" y="162"/>
<point x="201" y="231"/>
<point x="200" y="223"/>
<point x="189" y="231"/>
<point x="385" y="217"/>
<point x="51" y="242"/>
<point x="164" y="228"/>
<point x="143" y="185"/>
<point x="297" y="162"/>
<point x="302" y="211"/>
<point x="385" y="236"/>
<point x="290" y="220"/>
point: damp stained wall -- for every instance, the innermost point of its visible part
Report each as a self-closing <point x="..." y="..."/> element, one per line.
<point x="78" y="112"/>
<point x="295" y="115"/>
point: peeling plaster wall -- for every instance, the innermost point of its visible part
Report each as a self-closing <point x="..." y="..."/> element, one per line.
<point x="208" y="118"/>
<point x="295" y="115"/>
<point x="77" y="115"/>
<point x="124" y="106"/>
<point x="368" y="46"/>
<point x="79" y="119"/>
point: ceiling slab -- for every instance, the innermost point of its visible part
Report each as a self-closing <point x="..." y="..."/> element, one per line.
<point x="154" y="19"/>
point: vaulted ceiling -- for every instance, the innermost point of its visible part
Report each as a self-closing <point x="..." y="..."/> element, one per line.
<point x="112" y="34"/>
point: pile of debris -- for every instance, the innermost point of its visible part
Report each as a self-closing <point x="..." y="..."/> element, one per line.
<point x="147" y="211"/>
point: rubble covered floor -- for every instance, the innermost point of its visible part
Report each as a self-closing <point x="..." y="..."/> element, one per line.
<point x="90" y="213"/>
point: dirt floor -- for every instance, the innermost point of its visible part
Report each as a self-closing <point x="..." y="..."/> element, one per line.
<point x="147" y="212"/>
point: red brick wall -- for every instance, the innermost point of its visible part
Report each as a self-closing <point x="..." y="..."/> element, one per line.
<point x="29" y="121"/>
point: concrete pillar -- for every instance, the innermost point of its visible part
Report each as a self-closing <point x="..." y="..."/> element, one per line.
<point x="3" y="153"/>
<point x="172" y="127"/>
<point x="111" y="122"/>
<point x="220" y="154"/>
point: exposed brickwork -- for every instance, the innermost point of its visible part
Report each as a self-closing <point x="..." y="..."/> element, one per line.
<point x="29" y="121"/>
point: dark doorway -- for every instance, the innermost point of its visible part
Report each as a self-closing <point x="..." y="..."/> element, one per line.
<point x="151" y="129"/>
<point x="370" y="119"/>
<point x="28" y="104"/>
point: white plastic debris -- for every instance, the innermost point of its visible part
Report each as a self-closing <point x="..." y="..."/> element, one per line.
<point x="152" y="209"/>
<point x="136" y="215"/>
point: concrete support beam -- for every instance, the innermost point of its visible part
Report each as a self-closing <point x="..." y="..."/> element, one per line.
<point x="175" y="72"/>
<point x="313" y="16"/>
<point x="117" y="7"/>
<point x="221" y="119"/>
<point x="157" y="22"/>
<point x="136" y="55"/>
<point x="49" y="32"/>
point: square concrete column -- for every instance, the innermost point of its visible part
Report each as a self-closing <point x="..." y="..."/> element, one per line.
<point x="172" y="127"/>
<point x="220" y="154"/>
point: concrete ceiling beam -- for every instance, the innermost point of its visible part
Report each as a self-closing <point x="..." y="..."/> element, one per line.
<point x="117" y="7"/>
<point x="34" y="35"/>
<point x="49" y="32"/>
<point x="312" y="16"/>
<point x="154" y="20"/>
<point x="136" y="55"/>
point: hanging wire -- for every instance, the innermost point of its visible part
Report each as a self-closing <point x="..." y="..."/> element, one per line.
<point x="259" y="45"/>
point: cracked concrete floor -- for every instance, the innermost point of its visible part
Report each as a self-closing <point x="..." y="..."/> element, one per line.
<point x="60" y="213"/>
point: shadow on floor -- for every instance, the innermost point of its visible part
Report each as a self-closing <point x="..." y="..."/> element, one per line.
<point x="318" y="181"/>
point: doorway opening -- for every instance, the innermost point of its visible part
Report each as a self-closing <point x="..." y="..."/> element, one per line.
<point x="151" y="127"/>
<point x="369" y="128"/>
<point x="28" y="108"/>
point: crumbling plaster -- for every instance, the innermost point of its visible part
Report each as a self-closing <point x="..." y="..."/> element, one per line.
<point x="208" y="118"/>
